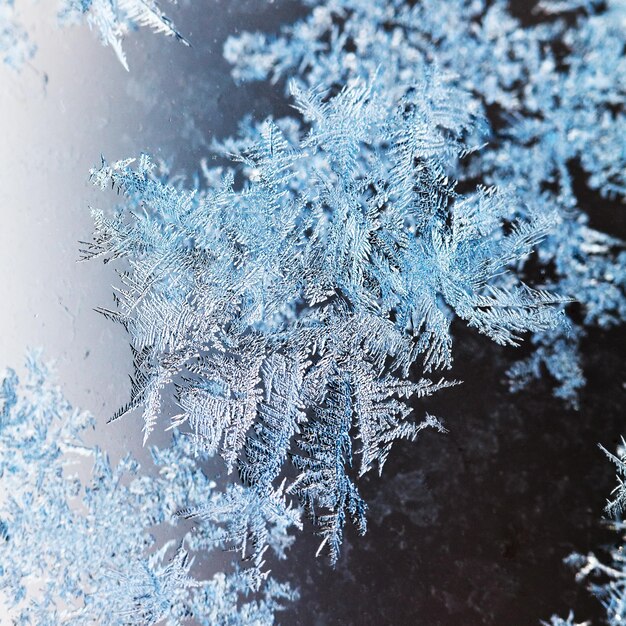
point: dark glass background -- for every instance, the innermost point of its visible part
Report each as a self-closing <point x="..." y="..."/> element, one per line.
<point x="465" y="528"/>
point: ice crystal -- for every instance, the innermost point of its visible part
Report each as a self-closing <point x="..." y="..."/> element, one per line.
<point x="288" y="309"/>
<point x="611" y="586"/>
<point x="114" y="19"/>
<point x="552" y="90"/>
<point x="76" y="532"/>
<point x="559" y="621"/>
<point x="16" y="49"/>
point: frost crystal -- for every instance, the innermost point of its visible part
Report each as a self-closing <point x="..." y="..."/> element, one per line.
<point x="559" y="621"/>
<point x="288" y="309"/>
<point x="114" y="19"/>
<point x="552" y="92"/>
<point x="15" y="47"/>
<point x="611" y="591"/>
<point x="75" y="532"/>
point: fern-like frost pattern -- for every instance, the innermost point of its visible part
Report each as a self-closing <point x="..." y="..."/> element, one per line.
<point x="114" y="19"/>
<point x="551" y="95"/>
<point x="288" y="309"/>
<point x="111" y="19"/>
<point x="609" y="579"/>
<point x="77" y="534"/>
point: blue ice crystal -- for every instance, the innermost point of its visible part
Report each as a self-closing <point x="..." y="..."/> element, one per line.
<point x="609" y="579"/>
<point x="551" y="91"/>
<point x="77" y="534"/>
<point x="16" y="48"/>
<point x="293" y="302"/>
<point x="114" y="19"/>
